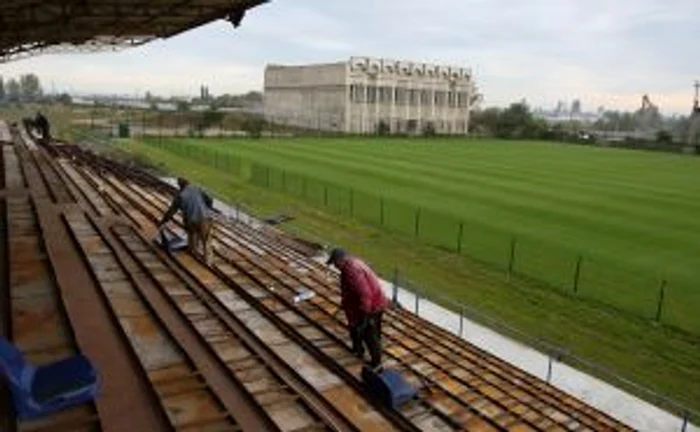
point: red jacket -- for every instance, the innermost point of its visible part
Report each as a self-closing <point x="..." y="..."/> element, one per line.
<point x="360" y="290"/>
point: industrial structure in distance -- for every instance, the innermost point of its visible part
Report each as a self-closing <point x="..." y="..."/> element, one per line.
<point x="369" y="95"/>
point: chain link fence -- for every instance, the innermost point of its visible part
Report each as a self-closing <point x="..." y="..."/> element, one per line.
<point x="581" y="275"/>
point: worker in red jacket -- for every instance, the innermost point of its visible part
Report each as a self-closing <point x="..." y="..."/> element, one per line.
<point x="363" y="301"/>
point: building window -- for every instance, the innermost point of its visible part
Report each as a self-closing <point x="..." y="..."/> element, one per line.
<point x="372" y="94"/>
<point x="425" y="97"/>
<point x="463" y="99"/>
<point x="440" y="98"/>
<point x="413" y="96"/>
<point x="387" y="95"/>
<point x="400" y="96"/>
<point x="352" y="92"/>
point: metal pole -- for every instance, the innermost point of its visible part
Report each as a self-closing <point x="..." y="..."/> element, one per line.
<point x="381" y="211"/>
<point x="461" y="321"/>
<point x="417" y="228"/>
<point x="511" y="262"/>
<point x="417" y="302"/>
<point x="684" y="426"/>
<point x="549" y="368"/>
<point x="459" y="237"/>
<point x="577" y="273"/>
<point x="660" y="303"/>
<point x="395" y="287"/>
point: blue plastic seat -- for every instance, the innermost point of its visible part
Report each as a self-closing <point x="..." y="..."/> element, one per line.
<point x="37" y="392"/>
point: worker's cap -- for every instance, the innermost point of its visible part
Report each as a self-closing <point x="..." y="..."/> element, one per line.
<point x="182" y="182"/>
<point x="336" y="255"/>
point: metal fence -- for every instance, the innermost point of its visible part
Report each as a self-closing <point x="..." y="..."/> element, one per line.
<point x="583" y="276"/>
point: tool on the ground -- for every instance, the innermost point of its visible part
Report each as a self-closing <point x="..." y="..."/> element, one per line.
<point x="303" y="296"/>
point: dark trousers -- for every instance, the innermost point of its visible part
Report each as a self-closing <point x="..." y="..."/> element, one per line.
<point x="368" y="332"/>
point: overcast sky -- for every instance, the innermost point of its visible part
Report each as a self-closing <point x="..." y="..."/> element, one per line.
<point x="605" y="52"/>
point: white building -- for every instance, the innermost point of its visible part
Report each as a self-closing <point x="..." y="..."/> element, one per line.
<point x="361" y="94"/>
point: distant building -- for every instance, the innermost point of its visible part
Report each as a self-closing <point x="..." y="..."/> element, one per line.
<point x="363" y="94"/>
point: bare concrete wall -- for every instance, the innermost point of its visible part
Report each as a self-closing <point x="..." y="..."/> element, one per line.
<point x="357" y="95"/>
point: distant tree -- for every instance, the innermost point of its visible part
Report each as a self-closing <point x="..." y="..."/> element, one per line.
<point x="485" y="121"/>
<point x="383" y="128"/>
<point x="429" y="130"/>
<point x="664" y="137"/>
<point x="208" y="119"/>
<point x="13" y="90"/>
<point x="576" y="107"/>
<point x="182" y="106"/>
<point x="64" y="98"/>
<point x="254" y="126"/>
<point x="30" y="87"/>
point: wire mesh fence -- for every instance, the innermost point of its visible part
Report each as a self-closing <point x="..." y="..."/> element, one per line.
<point x="587" y="277"/>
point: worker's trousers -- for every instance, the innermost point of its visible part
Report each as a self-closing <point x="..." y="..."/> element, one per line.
<point x="368" y="332"/>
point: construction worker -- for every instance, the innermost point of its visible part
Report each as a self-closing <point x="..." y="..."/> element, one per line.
<point x="363" y="302"/>
<point x="195" y="205"/>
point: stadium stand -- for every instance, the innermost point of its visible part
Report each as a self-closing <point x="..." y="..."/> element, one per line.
<point x="185" y="346"/>
<point x="28" y="27"/>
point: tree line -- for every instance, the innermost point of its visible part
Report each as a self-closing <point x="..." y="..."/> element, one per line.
<point x="517" y="121"/>
<point x="27" y="89"/>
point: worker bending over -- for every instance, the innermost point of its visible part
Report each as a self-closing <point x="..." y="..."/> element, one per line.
<point x="363" y="301"/>
<point x="195" y="205"/>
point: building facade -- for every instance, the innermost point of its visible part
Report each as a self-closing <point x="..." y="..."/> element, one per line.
<point x="365" y="95"/>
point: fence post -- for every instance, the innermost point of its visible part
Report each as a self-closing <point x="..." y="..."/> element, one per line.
<point x="659" y="306"/>
<point x="381" y="211"/>
<point x="417" y="302"/>
<point x="395" y="287"/>
<point x="459" y="237"/>
<point x="577" y="273"/>
<point x="511" y="261"/>
<point x="417" y="228"/>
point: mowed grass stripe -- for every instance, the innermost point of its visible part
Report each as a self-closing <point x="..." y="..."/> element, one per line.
<point x="439" y="157"/>
<point x="551" y="208"/>
<point x="472" y="176"/>
<point x="630" y="214"/>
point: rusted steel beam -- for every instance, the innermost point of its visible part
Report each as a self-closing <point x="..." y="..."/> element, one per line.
<point x="242" y="408"/>
<point x="310" y="396"/>
<point x="125" y="389"/>
<point x="6" y="421"/>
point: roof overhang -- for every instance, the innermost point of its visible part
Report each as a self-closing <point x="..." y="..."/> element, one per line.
<point x="29" y="27"/>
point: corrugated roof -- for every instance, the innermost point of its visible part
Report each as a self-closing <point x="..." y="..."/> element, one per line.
<point x="30" y="26"/>
<point x="185" y="345"/>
